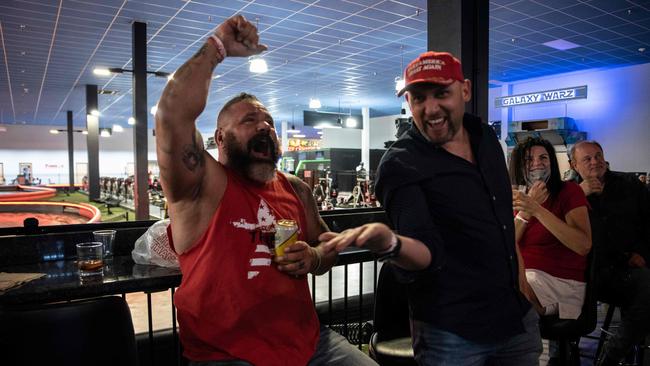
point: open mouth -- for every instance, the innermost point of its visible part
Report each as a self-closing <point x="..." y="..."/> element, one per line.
<point x="262" y="147"/>
<point x="436" y="123"/>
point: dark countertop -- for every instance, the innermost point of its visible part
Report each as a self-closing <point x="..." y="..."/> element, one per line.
<point x="62" y="282"/>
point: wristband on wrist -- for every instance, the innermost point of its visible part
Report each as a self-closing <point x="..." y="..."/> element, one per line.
<point x="218" y="45"/>
<point x="392" y="251"/>
<point x="520" y="218"/>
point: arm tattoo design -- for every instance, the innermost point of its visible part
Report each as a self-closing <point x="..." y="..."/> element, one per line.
<point x="201" y="51"/>
<point x="193" y="156"/>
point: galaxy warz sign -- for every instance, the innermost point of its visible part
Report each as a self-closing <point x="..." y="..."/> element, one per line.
<point x="577" y="92"/>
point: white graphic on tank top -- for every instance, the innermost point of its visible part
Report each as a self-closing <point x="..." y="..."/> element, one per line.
<point x="262" y="236"/>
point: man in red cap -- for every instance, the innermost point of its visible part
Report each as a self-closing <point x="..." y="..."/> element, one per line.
<point x="446" y="191"/>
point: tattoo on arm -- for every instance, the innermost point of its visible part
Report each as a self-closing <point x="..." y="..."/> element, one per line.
<point x="193" y="155"/>
<point x="201" y="52"/>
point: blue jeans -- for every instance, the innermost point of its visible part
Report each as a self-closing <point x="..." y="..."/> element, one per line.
<point x="436" y="347"/>
<point x="332" y="349"/>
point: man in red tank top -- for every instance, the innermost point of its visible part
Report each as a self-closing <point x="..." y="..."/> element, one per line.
<point x="238" y="304"/>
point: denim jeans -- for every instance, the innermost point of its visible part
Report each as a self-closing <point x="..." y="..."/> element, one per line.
<point x="436" y="347"/>
<point x="332" y="349"/>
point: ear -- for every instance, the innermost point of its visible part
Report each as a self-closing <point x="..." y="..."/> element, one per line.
<point x="218" y="136"/>
<point x="467" y="90"/>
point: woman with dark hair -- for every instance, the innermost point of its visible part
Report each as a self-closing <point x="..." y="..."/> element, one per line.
<point x="552" y="230"/>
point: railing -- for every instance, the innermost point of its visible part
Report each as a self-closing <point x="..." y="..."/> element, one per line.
<point x="343" y="297"/>
<point x="350" y="314"/>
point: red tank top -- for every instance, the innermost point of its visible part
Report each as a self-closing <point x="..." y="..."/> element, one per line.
<point x="233" y="302"/>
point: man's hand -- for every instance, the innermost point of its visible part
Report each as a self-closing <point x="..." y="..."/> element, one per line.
<point x="591" y="185"/>
<point x="298" y="259"/>
<point x="374" y="237"/>
<point x="239" y="37"/>
<point x="636" y="260"/>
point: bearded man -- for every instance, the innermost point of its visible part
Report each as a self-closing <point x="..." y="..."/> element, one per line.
<point x="238" y="304"/>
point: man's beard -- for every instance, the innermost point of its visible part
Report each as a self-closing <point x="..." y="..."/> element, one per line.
<point x="240" y="159"/>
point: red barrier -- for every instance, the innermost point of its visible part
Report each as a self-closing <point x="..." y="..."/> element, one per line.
<point x="26" y="193"/>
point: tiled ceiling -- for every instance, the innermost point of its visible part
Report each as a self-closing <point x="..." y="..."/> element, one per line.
<point x="346" y="52"/>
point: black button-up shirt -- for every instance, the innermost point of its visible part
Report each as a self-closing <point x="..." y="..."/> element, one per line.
<point x="463" y="213"/>
<point x="623" y="212"/>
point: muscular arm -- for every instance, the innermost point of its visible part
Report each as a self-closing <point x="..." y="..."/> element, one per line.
<point x="185" y="166"/>
<point x="181" y="155"/>
<point x="316" y="226"/>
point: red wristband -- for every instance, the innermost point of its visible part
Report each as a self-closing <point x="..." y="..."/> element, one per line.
<point x="218" y="45"/>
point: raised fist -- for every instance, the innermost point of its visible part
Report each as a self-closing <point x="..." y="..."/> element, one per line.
<point x="239" y="37"/>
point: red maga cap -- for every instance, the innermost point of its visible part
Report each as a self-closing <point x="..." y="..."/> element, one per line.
<point x="432" y="67"/>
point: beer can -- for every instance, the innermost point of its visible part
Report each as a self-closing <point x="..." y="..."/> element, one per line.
<point x="286" y="233"/>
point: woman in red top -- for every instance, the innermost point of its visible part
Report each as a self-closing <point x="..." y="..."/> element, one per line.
<point x="552" y="230"/>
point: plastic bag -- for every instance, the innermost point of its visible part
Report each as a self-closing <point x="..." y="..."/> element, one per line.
<point x="153" y="247"/>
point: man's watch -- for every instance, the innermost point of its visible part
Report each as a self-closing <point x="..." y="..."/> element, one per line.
<point x="392" y="251"/>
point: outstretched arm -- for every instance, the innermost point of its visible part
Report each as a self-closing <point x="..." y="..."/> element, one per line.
<point x="180" y="150"/>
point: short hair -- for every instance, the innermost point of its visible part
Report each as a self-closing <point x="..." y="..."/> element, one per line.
<point x="517" y="165"/>
<point x="241" y="97"/>
<point x="572" y="150"/>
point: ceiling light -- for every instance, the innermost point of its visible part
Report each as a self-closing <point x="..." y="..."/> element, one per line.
<point x="153" y="110"/>
<point x="560" y="44"/>
<point x="95" y="113"/>
<point x="101" y="71"/>
<point x="131" y="121"/>
<point x="350" y="122"/>
<point x="331" y="126"/>
<point x="257" y="65"/>
<point x="641" y="49"/>
<point x="319" y="132"/>
<point x="299" y="136"/>
<point x="118" y="128"/>
<point x="84" y="132"/>
<point x="314" y="103"/>
<point x="105" y="132"/>
<point x="399" y="83"/>
<point x="54" y="132"/>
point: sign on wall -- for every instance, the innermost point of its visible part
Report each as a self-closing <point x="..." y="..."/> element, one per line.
<point x="303" y="145"/>
<point x="576" y="92"/>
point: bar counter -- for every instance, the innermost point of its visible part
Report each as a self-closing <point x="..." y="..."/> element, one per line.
<point x="62" y="282"/>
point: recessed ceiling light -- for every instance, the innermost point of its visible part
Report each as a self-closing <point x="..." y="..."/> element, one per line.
<point x="101" y="71"/>
<point x="560" y="44"/>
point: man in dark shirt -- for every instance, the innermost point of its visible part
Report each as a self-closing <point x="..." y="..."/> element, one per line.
<point x="621" y="207"/>
<point x="446" y="191"/>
